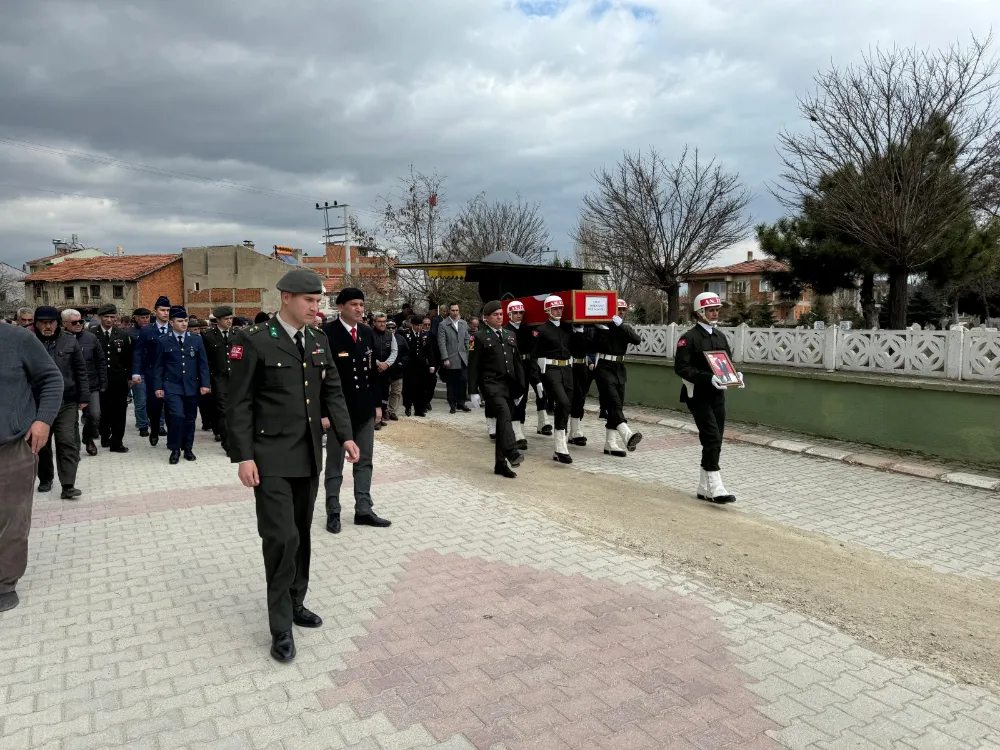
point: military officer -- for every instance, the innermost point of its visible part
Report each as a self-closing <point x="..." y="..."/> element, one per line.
<point x="143" y="361"/>
<point x="352" y="345"/>
<point x="419" y="367"/>
<point x="611" y="343"/>
<point x="704" y="393"/>
<point x="524" y="337"/>
<point x="497" y="377"/>
<point x="117" y="344"/>
<point x="283" y="391"/>
<point x="180" y="376"/>
<point x="218" y="342"/>
<point x="552" y="352"/>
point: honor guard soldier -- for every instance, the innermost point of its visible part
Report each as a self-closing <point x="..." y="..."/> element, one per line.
<point x="704" y="393"/>
<point x="582" y="377"/>
<point x="283" y="390"/>
<point x="552" y="352"/>
<point x="525" y="341"/>
<point x="218" y="343"/>
<point x="612" y="343"/>
<point x="496" y="377"/>
<point x="352" y="346"/>
<point x="180" y="376"/>
<point x="117" y="345"/>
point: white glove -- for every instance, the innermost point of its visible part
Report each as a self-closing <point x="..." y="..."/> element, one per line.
<point x="740" y="376"/>
<point x="432" y="370"/>
<point x="718" y="383"/>
<point x="519" y="400"/>
<point x="541" y="364"/>
<point x="476" y="401"/>
<point x="617" y="320"/>
<point x="578" y="329"/>
<point x="539" y="391"/>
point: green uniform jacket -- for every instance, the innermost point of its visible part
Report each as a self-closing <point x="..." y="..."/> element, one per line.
<point x="217" y="351"/>
<point x="495" y="364"/>
<point x="277" y="400"/>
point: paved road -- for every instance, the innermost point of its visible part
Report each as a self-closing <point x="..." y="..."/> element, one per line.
<point x="470" y="623"/>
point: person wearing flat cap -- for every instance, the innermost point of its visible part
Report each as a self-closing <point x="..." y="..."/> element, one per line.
<point x="218" y="342"/>
<point x="143" y="361"/>
<point x="117" y="344"/>
<point x="284" y="390"/>
<point x="180" y="376"/>
<point x="140" y="319"/>
<point x="352" y="344"/>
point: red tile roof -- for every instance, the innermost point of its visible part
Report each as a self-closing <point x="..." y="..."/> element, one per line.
<point x="111" y="268"/>
<point x="745" y="268"/>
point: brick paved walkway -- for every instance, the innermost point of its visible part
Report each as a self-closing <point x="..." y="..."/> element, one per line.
<point x="469" y="624"/>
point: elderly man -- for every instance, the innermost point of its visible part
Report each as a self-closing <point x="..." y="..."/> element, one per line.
<point x="97" y="373"/>
<point x="32" y="387"/>
<point x="453" y="346"/>
<point x="385" y="354"/>
<point x="25" y="317"/>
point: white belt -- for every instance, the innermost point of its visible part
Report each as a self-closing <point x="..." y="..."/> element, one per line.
<point x="579" y="360"/>
<point x="612" y="357"/>
<point x="558" y="362"/>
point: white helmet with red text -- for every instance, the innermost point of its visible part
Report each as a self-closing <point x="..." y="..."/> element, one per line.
<point x="706" y="301"/>
<point x="553" y="300"/>
<point x="514" y="307"/>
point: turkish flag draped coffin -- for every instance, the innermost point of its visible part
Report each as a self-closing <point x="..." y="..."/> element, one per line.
<point x="581" y="306"/>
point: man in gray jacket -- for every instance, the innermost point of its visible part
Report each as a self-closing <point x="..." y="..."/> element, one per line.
<point x="453" y="344"/>
<point x="97" y="375"/>
<point x="66" y="353"/>
<point x="32" y="388"/>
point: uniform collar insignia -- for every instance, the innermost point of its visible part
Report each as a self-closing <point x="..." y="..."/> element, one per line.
<point x="274" y="331"/>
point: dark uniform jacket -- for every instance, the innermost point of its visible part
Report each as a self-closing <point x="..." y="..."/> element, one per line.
<point x="525" y="338"/>
<point x="356" y="366"/>
<point x="495" y="364"/>
<point x="395" y="371"/>
<point x="421" y="350"/>
<point x="145" y="349"/>
<point x="277" y="400"/>
<point x="217" y="349"/>
<point x="93" y="355"/>
<point x="117" y="345"/>
<point x="181" y="369"/>
<point x="690" y="363"/>
<point x="66" y="353"/>
<point x="555" y="342"/>
<point x="615" y="340"/>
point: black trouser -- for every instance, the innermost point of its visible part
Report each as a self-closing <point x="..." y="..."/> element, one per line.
<point x="67" y="439"/>
<point x="155" y="407"/>
<point x="415" y="389"/>
<point x="558" y="385"/>
<point x="710" y="418"/>
<point x="114" y="411"/>
<point x="206" y="406"/>
<point x="540" y="402"/>
<point x="220" y="392"/>
<point x="610" y="377"/>
<point x="456" y="383"/>
<point x="284" y="518"/>
<point x="382" y="385"/>
<point x="582" y="377"/>
<point x="501" y="406"/>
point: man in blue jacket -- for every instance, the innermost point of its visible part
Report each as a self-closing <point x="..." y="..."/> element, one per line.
<point x="144" y="359"/>
<point x="180" y="376"/>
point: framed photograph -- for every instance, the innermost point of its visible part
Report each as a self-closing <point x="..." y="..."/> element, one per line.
<point x="723" y="368"/>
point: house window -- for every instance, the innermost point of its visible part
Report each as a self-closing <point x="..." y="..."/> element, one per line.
<point x="197" y="286"/>
<point x="741" y="287"/>
<point x="765" y="285"/>
<point x="716" y="287"/>
<point x="95" y="291"/>
<point x="68" y="292"/>
<point x="45" y="298"/>
<point x="118" y="291"/>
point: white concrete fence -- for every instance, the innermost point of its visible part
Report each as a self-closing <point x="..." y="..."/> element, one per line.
<point x="958" y="354"/>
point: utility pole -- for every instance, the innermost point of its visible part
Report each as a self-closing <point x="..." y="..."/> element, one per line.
<point x="332" y="233"/>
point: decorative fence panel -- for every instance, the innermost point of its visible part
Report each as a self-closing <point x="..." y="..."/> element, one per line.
<point x="957" y="354"/>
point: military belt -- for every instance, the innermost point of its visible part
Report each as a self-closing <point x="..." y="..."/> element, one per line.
<point x="525" y="356"/>
<point x="558" y="362"/>
<point x="579" y="360"/>
<point x="611" y="357"/>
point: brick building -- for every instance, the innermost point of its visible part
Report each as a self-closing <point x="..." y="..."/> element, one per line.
<point x="235" y="275"/>
<point x="369" y="271"/>
<point x="127" y="281"/>
<point x="747" y="280"/>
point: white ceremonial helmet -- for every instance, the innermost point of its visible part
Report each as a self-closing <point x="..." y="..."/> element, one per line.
<point x="553" y="300"/>
<point x="514" y="307"/>
<point x="622" y="304"/>
<point x="706" y="301"/>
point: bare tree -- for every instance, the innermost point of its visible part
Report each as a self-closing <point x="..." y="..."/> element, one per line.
<point x="11" y="289"/>
<point x="592" y="251"/>
<point x="665" y="221"/>
<point x="482" y="228"/>
<point x="910" y="140"/>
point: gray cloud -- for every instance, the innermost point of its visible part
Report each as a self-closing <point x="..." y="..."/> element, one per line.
<point x="333" y="100"/>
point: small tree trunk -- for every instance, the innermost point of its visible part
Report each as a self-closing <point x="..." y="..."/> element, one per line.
<point x="673" y="303"/>
<point x="898" y="296"/>
<point x="868" y="310"/>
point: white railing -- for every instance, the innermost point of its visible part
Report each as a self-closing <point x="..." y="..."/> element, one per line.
<point x="957" y="354"/>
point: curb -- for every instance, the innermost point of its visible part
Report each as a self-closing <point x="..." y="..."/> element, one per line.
<point x="882" y="463"/>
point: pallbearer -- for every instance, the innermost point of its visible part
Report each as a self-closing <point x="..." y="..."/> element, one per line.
<point x="525" y="340"/>
<point x="581" y="384"/>
<point x="704" y="393"/>
<point x="612" y="343"/>
<point x="553" y="353"/>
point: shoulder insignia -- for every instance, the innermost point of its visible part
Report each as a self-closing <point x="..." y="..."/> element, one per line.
<point x="535" y="332"/>
<point x="274" y="331"/>
<point x="682" y="342"/>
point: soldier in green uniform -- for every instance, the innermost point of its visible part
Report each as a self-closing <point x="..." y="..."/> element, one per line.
<point x="284" y="390"/>
<point x="218" y="342"/>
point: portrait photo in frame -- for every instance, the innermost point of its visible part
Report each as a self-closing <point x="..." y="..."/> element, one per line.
<point x="723" y="368"/>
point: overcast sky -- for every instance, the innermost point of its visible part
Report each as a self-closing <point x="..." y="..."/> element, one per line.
<point x="334" y="99"/>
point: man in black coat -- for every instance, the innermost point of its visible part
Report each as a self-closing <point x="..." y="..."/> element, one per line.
<point x="704" y="393"/>
<point x="553" y="354"/>
<point x="97" y="373"/>
<point x="352" y="345"/>
<point x="418" y="367"/>
<point x="611" y="342"/>
<point x="117" y="346"/>
<point x="497" y="378"/>
<point x="218" y="343"/>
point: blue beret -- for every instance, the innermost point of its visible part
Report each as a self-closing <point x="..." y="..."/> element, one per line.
<point x="177" y="312"/>
<point x="162" y="301"/>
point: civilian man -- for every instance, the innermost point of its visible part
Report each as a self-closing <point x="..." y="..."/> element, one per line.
<point x="97" y="374"/>
<point x="453" y="346"/>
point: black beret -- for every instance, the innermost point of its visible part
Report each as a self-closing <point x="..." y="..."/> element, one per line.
<point x="417" y="320"/>
<point x="46" y="312"/>
<point x="491" y="307"/>
<point x="107" y="309"/>
<point x="301" y="281"/>
<point x="178" y="312"/>
<point x="239" y="322"/>
<point x="222" y="311"/>
<point x="349" y="293"/>
<point x="162" y="301"/>
<point x="263" y="317"/>
<point x="140" y="311"/>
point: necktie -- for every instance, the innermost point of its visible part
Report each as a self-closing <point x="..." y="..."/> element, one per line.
<point x="225" y="337"/>
<point x="354" y="334"/>
<point x="298" y="344"/>
<point x="180" y="341"/>
<point x="163" y="330"/>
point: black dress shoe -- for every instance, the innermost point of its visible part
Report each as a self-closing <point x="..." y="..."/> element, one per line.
<point x="563" y="458"/>
<point x="119" y="449"/>
<point x="205" y="428"/>
<point x="452" y="410"/>
<point x="333" y="524"/>
<point x="546" y="430"/>
<point x="517" y="460"/>
<point x="175" y="457"/>
<point x="45" y="486"/>
<point x="522" y="445"/>
<point x="154" y="439"/>
<point x="421" y="414"/>
<point x="69" y="492"/>
<point x="218" y="438"/>
<point x="8" y="600"/>
<point x="493" y="436"/>
<point x="91" y="448"/>
<point x="370" y="519"/>
<point x="581" y="441"/>
<point x="505" y="471"/>
<point x="463" y="407"/>
<point x="105" y="442"/>
<point x="283" y="647"/>
<point x="144" y="432"/>
<point x="407" y="412"/>
<point x="305" y="619"/>
<point x="164" y="432"/>
<point x="189" y="456"/>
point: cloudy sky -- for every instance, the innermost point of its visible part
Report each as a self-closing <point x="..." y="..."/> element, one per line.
<point x="333" y="99"/>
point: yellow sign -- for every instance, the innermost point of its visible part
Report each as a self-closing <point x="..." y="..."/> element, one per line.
<point x="446" y="273"/>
